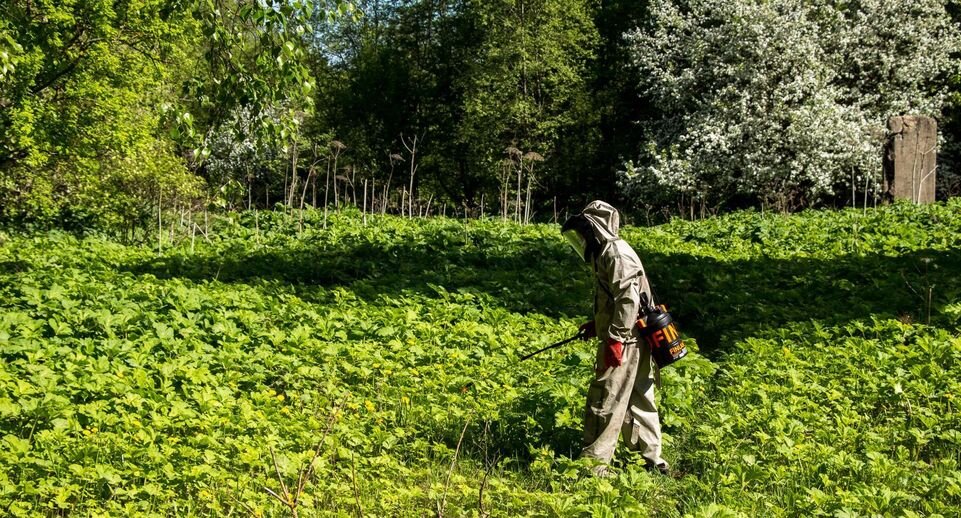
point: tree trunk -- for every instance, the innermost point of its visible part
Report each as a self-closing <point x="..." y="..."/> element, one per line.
<point x="353" y="184"/>
<point x="303" y="198"/>
<point x="293" y="176"/>
<point x="517" y="208"/>
<point x="160" y="222"/>
<point x="284" y="195"/>
<point x="336" y="193"/>
<point x="412" y="149"/>
<point x="387" y="189"/>
<point x="326" y="191"/>
<point x="527" y="204"/>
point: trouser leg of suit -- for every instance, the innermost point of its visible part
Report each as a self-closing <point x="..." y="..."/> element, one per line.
<point x="608" y="399"/>
<point x="642" y="427"/>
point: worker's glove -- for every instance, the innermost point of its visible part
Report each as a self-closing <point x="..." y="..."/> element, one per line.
<point x="587" y="331"/>
<point x="613" y="353"/>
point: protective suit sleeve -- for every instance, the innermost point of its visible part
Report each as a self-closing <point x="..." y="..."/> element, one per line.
<point x="626" y="272"/>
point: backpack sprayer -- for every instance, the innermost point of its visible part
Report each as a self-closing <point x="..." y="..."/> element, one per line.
<point x="656" y="326"/>
<point x="660" y="332"/>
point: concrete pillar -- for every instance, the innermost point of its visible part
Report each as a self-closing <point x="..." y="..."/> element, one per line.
<point x="910" y="159"/>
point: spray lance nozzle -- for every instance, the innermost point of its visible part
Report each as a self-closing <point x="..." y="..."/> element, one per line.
<point x="581" y="335"/>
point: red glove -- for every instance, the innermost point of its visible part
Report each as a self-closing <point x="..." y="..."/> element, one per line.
<point x="613" y="354"/>
<point x="587" y="331"/>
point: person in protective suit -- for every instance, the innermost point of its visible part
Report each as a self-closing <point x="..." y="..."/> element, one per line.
<point x="620" y="400"/>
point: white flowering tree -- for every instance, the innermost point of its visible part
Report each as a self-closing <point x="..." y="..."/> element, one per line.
<point x="238" y="157"/>
<point x="780" y="102"/>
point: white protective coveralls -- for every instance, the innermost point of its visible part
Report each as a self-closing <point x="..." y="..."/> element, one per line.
<point x="620" y="400"/>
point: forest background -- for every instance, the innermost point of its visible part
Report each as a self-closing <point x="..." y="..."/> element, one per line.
<point x="113" y="111"/>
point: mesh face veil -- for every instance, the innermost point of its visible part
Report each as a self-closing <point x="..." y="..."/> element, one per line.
<point x="577" y="242"/>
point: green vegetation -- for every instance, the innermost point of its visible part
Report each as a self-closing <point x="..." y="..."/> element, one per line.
<point x="201" y="370"/>
<point x="107" y="109"/>
<point x="133" y="383"/>
<point x="111" y="112"/>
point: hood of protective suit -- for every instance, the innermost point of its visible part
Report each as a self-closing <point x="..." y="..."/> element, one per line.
<point x="604" y="219"/>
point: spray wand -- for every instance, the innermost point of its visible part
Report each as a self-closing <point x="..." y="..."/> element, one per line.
<point x="578" y="336"/>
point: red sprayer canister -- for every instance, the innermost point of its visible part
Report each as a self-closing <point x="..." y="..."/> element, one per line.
<point x="659" y="330"/>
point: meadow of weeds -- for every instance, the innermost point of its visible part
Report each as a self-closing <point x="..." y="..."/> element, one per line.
<point x="198" y="380"/>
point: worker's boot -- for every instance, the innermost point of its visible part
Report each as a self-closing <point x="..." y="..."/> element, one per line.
<point x="661" y="468"/>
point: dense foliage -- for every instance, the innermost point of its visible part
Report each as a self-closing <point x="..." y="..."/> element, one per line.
<point x="484" y="83"/>
<point x="111" y="112"/>
<point x="78" y="108"/>
<point x="186" y="382"/>
<point x="106" y="108"/>
<point x="783" y="102"/>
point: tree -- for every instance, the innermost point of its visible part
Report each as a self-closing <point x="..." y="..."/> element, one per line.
<point x="780" y="102"/>
<point x="105" y="103"/>
<point x="527" y="86"/>
<point x="472" y="77"/>
<point x="80" y="118"/>
<point x="616" y="101"/>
